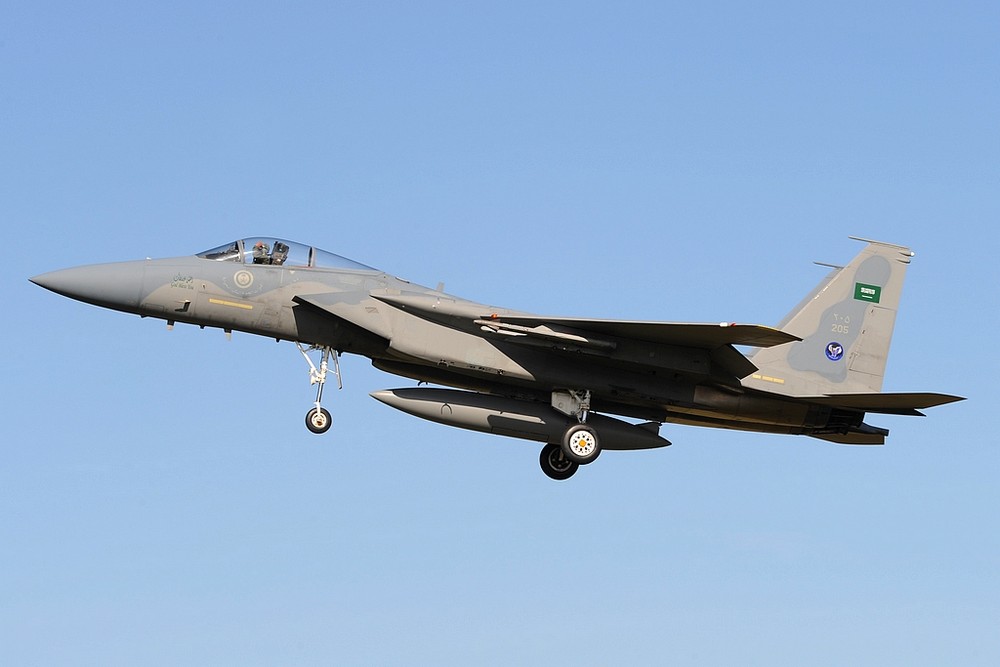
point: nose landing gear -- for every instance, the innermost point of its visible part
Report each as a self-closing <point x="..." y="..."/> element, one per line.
<point x="318" y="419"/>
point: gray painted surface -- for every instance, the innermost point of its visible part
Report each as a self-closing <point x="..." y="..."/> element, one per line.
<point x="834" y="344"/>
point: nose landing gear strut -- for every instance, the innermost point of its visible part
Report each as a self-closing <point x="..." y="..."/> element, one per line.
<point x="318" y="419"/>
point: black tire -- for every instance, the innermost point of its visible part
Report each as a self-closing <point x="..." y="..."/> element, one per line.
<point x="555" y="464"/>
<point x="581" y="445"/>
<point x="318" y="421"/>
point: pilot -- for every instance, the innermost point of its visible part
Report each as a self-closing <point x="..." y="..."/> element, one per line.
<point x="261" y="253"/>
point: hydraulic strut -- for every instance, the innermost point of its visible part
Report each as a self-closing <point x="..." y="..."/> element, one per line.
<point x="318" y="419"/>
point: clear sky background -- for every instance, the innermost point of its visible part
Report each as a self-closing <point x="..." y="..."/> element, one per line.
<point x="161" y="501"/>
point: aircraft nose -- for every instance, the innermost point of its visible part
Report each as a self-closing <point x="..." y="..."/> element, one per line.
<point x="117" y="285"/>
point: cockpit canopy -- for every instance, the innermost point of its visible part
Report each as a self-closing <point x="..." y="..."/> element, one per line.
<point x="279" y="252"/>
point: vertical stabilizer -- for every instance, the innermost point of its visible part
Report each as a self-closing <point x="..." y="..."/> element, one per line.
<point x="845" y="325"/>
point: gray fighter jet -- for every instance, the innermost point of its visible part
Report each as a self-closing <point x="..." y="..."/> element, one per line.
<point x="554" y="380"/>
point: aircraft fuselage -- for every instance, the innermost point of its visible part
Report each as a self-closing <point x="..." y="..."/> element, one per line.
<point x="531" y="376"/>
<point x="350" y="311"/>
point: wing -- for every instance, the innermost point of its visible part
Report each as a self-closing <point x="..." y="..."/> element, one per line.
<point x="589" y="331"/>
<point x="700" y="336"/>
<point x="598" y="336"/>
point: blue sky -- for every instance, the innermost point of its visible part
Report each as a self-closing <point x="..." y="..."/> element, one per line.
<point x="160" y="499"/>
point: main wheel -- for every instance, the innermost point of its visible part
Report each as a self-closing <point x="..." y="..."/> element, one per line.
<point x="580" y="444"/>
<point x="555" y="464"/>
<point x="318" y="420"/>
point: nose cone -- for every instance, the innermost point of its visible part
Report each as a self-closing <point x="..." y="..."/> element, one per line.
<point x="117" y="285"/>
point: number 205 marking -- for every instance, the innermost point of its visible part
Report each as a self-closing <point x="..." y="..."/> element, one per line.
<point x="840" y="328"/>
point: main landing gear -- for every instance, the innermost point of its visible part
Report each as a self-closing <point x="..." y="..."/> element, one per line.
<point x="555" y="464"/>
<point x="580" y="443"/>
<point x="318" y="419"/>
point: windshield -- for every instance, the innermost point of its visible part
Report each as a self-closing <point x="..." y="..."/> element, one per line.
<point x="278" y="252"/>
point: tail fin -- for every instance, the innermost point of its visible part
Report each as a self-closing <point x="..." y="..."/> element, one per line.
<point x="845" y="325"/>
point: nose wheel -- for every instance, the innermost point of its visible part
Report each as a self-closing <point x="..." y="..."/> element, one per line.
<point x="318" y="419"/>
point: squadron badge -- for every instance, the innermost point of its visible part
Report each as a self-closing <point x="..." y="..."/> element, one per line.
<point x="243" y="279"/>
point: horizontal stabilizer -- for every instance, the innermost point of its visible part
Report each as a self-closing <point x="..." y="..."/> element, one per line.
<point x="860" y="437"/>
<point x="887" y="403"/>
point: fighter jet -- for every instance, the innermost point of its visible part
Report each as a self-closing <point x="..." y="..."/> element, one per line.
<point x="554" y="380"/>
